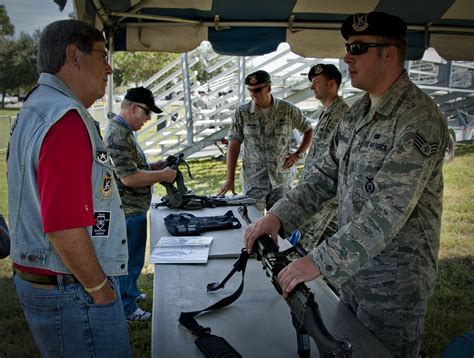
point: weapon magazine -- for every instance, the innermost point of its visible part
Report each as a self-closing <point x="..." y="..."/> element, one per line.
<point x="181" y="250"/>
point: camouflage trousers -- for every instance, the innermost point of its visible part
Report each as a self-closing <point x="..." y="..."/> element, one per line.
<point x="321" y="227"/>
<point x="398" y="323"/>
<point x="266" y="198"/>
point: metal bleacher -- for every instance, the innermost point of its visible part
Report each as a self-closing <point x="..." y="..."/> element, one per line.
<point x="197" y="127"/>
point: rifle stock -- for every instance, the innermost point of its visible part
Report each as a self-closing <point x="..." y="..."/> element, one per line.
<point x="304" y="309"/>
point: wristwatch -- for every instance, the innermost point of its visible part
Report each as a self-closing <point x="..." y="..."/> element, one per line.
<point x="299" y="154"/>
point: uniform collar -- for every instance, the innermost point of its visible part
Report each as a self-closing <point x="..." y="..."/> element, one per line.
<point x="122" y="122"/>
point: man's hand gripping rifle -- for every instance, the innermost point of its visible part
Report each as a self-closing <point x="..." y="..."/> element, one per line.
<point x="304" y="309"/>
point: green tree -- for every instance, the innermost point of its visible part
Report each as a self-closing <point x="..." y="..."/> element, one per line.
<point x="133" y="68"/>
<point x="17" y="64"/>
<point x="17" y="58"/>
<point x="6" y="27"/>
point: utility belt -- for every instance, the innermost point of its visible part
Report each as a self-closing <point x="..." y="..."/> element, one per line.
<point x="46" y="279"/>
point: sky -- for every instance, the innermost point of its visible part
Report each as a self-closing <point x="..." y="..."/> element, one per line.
<point x="29" y="15"/>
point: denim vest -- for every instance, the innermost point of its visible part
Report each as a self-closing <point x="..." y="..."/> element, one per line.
<point x="46" y="105"/>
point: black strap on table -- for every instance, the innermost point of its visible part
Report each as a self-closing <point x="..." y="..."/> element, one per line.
<point x="210" y="345"/>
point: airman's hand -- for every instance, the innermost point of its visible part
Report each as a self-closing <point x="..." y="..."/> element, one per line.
<point x="228" y="185"/>
<point x="269" y="224"/>
<point x="300" y="270"/>
<point x="290" y="160"/>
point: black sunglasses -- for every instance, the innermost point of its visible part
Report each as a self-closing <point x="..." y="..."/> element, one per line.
<point x="359" y="48"/>
<point x="147" y="111"/>
<point x="256" y="90"/>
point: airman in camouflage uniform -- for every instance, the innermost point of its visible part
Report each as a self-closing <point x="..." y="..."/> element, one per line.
<point x="265" y="127"/>
<point x="325" y="81"/>
<point x="384" y="164"/>
<point x="134" y="177"/>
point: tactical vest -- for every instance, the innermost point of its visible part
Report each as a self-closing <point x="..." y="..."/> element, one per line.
<point x="46" y="105"/>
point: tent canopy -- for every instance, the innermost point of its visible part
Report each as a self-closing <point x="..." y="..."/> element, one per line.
<point x="256" y="27"/>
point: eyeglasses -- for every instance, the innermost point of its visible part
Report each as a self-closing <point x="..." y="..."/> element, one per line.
<point x="359" y="48"/>
<point x="256" y="90"/>
<point x="146" y="110"/>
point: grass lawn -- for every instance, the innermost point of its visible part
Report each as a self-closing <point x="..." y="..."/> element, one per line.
<point x="451" y="309"/>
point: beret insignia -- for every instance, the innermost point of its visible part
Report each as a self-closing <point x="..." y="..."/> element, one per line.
<point x="360" y="22"/>
<point x="253" y="80"/>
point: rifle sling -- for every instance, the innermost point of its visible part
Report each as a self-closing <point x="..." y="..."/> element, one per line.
<point x="214" y="346"/>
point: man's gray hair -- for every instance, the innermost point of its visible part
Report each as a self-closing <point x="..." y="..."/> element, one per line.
<point x="57" y="36"/>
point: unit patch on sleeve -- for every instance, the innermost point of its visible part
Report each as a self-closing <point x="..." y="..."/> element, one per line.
<point x="425" y="148"/>
<point x="102" y="223"/>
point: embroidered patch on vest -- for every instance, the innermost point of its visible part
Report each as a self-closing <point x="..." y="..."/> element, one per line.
<point x="102" y="156"/>
<point x="102" y="223"/>
<point x="106" y="188"/>
<point x="360" y="22"/>
<point x="425" y="148"/>
<point x="369" y="184"/>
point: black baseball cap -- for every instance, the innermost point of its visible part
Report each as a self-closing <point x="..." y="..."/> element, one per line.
<point x="328" y="70"/>
<point x="374" y="23"/>
<point x="143" y="95"/>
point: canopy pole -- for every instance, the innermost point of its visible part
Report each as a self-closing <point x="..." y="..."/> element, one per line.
<point x="187" y="98"/>
<point x="110" y="84"/>
<point x="241" y="88"/>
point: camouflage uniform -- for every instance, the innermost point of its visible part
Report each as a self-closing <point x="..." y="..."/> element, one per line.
<point x="324" y="223"/>
<point x="266" y="141"/>
<point x="128" y="158"/>
<point x="386" y="167"/>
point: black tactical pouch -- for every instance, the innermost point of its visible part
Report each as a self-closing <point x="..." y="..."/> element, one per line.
<point x="185" y="224"/>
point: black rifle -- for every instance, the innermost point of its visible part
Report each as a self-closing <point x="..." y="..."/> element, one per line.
<point x="179" y="197"/>
<point x="175" y="195"/>
<point x="305" y="313"/>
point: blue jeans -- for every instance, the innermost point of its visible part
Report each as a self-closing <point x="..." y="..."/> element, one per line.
<point x="136" y="237"/>
<point x="65" y="323"/>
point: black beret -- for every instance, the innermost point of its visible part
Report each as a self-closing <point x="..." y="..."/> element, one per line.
<point x="328" y="70"/>
<point x="142" y="95"/>
<point x="257" y="78"/>
<point x="374" y="23"/>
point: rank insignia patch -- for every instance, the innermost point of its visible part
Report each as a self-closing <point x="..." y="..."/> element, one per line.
<point x="360" y="22"/>
<point x="102" y="156"/>
<point x="425" y="148"/>
<point x="106" y="188"/>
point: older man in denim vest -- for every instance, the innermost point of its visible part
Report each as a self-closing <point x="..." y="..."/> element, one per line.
<point x="67" y="227"/>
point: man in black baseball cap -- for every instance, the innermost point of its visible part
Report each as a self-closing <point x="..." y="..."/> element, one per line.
<point x="142" y="95"/>
<point x="134" y="177"/>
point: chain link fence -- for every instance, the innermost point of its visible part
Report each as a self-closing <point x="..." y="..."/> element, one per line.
<point x="6" y="123"/>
